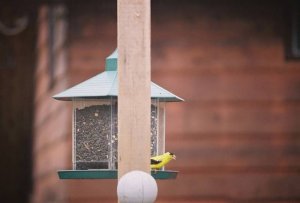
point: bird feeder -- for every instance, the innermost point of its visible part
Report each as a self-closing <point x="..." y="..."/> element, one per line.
<point x="95" y="127"/>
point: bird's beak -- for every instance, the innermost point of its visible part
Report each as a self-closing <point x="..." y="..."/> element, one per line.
<point x="174" y="157"/>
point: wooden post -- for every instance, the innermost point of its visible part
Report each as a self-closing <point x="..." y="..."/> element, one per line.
<point x="134" y="86"/>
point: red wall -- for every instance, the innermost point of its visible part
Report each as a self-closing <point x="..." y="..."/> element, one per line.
<point x="52" y="123"/>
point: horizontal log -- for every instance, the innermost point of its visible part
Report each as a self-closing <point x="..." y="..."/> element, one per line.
<point x="53" y="158"/>
<point x="189" y="117"/>
<point x="231" y="155"/>
<point x="233" y="186"/>
<point x="92" y="189"/>
<point x="282" y="86"/>
<point x="196" y="199"/>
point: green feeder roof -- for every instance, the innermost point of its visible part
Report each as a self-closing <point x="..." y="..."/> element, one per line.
<point x="105" y="85"/>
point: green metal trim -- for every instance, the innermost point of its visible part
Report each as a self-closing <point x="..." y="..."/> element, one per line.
<point x="111" y="63"/>
<point x="163" y="175"/>
<point x="109" y="174"/>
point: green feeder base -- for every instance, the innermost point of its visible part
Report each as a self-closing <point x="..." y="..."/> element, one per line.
<point x="109" y="174"/>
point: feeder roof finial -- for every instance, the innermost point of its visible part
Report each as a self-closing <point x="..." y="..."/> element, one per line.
<point x="111" y="63"/>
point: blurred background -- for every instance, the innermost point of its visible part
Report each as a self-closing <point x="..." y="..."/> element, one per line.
<point x="236" y="64"/>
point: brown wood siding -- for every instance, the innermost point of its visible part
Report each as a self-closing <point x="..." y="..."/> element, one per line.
<point x="52" y="119"/>
<point x="237" y="134"/>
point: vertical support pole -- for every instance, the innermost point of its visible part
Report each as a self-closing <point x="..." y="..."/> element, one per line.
<point x="134" y="86"/>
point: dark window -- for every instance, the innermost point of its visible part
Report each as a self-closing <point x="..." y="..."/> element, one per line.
<point x="293" y="31"/>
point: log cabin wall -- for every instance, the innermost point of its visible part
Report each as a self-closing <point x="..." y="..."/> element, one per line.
<point x="236" y="136"/>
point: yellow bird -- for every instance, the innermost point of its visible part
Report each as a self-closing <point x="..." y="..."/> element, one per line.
<point x="159" y="161"/>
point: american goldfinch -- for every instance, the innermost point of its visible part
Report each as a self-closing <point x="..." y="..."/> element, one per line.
<point x="159" y="161"/>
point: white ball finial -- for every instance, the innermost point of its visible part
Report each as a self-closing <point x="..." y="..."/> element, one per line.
<point x="137" y="187"/>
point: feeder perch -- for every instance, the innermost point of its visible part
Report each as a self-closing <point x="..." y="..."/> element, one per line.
<point x="95" y="127"/>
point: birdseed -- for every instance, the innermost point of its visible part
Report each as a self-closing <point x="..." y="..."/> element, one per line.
<point x="96" y="136"/>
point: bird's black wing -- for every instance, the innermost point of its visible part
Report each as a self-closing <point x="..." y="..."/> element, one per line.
<point x="153" y="161"/>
